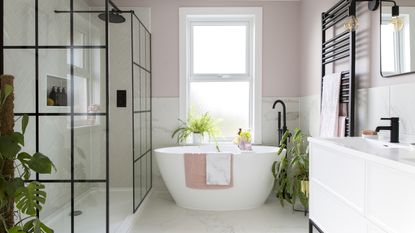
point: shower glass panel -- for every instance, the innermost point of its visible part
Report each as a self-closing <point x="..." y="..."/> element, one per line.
<point x="141" y="83"/>
<point x="58" y="52"/>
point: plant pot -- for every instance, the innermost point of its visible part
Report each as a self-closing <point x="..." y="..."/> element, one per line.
<point x="197" y="138"/>
<point x="305" y="187"/>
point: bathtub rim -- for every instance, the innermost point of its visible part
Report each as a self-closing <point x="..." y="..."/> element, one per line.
<point x="175" y="150"/>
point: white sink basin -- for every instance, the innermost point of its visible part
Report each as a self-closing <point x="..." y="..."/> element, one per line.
<point x="400" y="152"/>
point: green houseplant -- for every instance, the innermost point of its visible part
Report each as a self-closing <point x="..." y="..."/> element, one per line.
<point x="198" y="126"/>
<point x="20" y="199"/>
<point x="291" y="171"/>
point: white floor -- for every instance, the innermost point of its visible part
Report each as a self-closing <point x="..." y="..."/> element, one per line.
<point x="92" y="219"/>
<point x="159" y="214"/>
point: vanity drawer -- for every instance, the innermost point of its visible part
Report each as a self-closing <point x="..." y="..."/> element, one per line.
<point x="340" y="173"/>
<point x="391" y="198"/>
<point x="331" y="214"/>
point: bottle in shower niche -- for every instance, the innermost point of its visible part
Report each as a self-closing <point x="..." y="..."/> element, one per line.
<point x="64" y="97"/>
<point x="58" y="97"/>
<point x="52" y="97"/>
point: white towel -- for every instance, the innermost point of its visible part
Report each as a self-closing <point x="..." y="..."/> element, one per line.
<point x="218" y="168"/>
<point x="329" y="118"/>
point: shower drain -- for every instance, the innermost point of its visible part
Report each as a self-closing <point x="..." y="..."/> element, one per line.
<point x="76" y="213"/>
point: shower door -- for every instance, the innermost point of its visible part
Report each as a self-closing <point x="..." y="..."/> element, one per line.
<point x="141" y="83"/>
<point x="57" y="50"/>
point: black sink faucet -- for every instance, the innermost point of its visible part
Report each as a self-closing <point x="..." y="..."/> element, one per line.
<point x="394" y="128"/>
<point x="281" y="131"/>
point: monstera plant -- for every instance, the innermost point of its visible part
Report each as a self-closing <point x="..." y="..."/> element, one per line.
<point x="20" y="199"/>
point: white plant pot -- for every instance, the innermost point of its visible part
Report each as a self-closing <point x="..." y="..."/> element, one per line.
<point x="197" y="138"/>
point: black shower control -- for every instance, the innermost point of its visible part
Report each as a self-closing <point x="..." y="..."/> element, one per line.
<point x="121" y="98"/>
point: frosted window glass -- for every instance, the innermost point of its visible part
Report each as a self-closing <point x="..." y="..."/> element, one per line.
<point x="219" y="49"/>
<point x="226" y="101"/>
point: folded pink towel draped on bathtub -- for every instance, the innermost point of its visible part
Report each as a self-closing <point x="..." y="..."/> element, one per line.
<point x="195" y="172"/>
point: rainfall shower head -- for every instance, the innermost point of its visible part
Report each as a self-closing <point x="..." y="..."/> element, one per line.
<point x="114" y="17"/>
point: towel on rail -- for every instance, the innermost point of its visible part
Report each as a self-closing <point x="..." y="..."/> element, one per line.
<point x="329" y="119"/>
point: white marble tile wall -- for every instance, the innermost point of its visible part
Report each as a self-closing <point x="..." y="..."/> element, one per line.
<point x="372" y="104"/>
<point x="310" y="115"/>
<point x="166" y="115"/>
<point x="402" y="99"/>
<point x="270" y="117"/>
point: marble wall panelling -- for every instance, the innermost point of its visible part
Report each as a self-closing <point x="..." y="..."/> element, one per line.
<point x="402" y="99"/>
<point x="310" y="115"/>
<point x="270" y="117"/>
<point x="165" y="120"/>
<point x="372" y="104"/>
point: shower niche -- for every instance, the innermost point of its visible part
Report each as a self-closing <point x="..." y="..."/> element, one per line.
<point x="57" y="91"/>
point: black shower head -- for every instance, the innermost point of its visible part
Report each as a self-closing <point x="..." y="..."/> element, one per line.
<point x="115" y="17"/>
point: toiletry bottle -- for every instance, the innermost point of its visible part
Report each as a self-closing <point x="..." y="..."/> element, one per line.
<point x="58" y="97"/>
<point x="52" y="96"/>
<point x="64" y="97"/>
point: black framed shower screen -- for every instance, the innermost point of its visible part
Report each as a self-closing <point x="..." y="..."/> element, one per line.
<point x="30" y="50"/>
<point x="16" y="55"/>
<point x="141" y="82"/>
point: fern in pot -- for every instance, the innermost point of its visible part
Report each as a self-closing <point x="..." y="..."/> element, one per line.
<point x="196" y="126"/>
<point x="291" y="171"/>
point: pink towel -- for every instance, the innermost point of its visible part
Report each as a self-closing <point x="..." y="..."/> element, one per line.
<point x="342" y="127"/>
<point x="195" y="172"/>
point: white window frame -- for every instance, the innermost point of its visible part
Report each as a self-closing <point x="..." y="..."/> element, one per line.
<point x="250" y="16"/>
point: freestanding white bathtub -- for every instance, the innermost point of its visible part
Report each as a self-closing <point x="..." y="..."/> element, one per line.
<point x="253" y="180"/>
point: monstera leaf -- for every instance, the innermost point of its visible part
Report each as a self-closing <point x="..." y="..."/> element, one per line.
<point x="41" y="164"/>
<point x="32" y="226"/>
<point x="30" y="198"/>
<point x="36" y="226"/>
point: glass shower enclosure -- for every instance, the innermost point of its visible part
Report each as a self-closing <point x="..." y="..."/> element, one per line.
<point x="58" y="51"/>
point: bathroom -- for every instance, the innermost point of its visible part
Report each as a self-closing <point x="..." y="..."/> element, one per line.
<point x="105" y="84"/>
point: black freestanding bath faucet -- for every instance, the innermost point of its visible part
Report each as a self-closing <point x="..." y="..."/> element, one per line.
<point x="393" y="128"/>
<point x="281" y="131"/>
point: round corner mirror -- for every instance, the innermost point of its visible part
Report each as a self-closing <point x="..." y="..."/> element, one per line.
<point x="397" y="36"/>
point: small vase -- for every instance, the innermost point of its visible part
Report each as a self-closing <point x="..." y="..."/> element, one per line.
<point x="197" y="138"/>
<point x="243" y="145"/>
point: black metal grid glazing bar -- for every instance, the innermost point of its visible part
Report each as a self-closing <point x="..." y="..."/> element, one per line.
<point x="107" y="89"/>
<point x="37" y="81"/>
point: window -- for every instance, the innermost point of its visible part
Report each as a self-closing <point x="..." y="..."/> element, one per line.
<point x="221" y="67"/>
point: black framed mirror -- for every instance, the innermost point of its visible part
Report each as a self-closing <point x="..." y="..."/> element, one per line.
<point x="397" y="37"/>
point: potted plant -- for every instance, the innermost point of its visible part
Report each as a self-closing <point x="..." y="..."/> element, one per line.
<point x="198" y="127"/>
<point x="20" y="200"/>
<point x="291" y="171"/>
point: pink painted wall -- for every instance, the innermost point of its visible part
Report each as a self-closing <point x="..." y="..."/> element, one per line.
<point x="368" y="48"/>
<point x="281" y="38"/>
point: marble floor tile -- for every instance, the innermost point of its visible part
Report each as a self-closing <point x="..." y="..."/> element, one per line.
<point x="161" y="215"/>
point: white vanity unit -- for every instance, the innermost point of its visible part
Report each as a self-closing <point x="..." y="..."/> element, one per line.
<point x="361" y="186"/>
